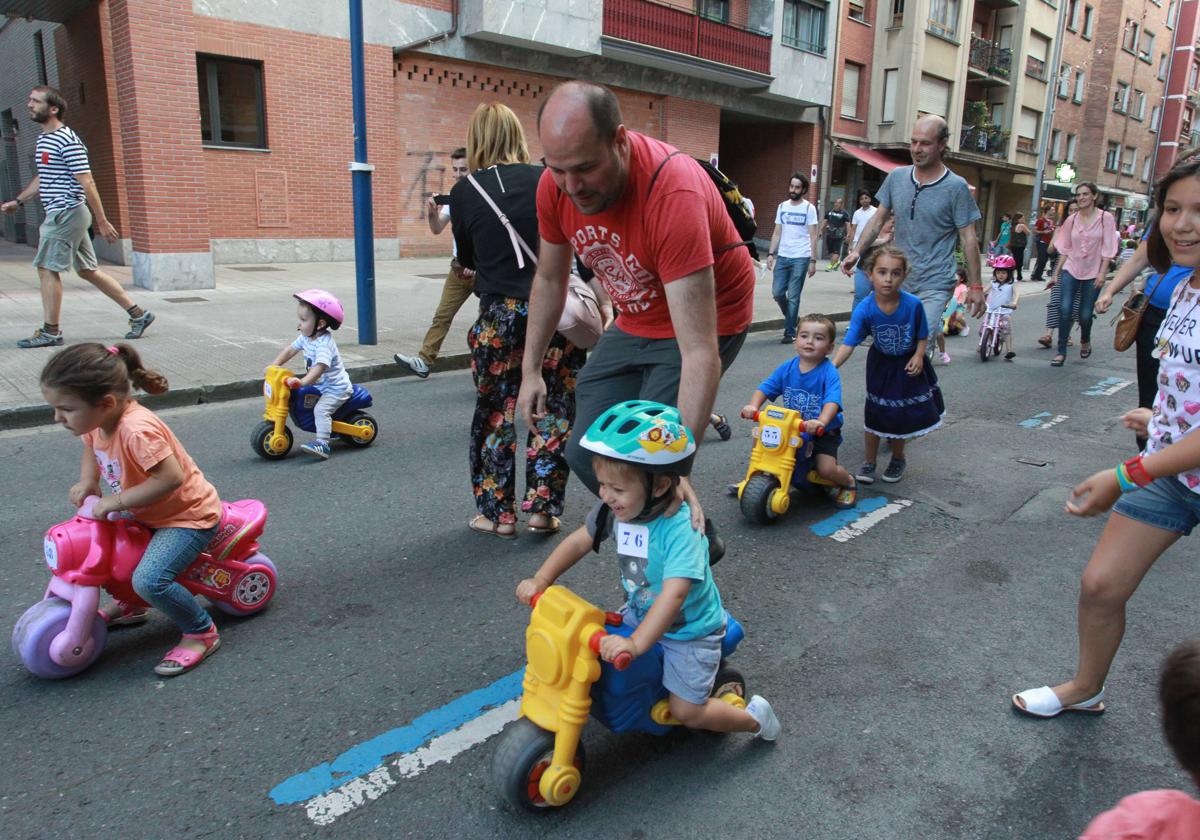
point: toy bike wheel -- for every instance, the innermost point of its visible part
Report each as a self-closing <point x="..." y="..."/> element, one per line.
<point x="729" y="681"/>
<point x="985" y="345"/>
<point x="522" y="755"/>
<point x="252" y="591"/>
<point x="260" y="441"/>
<point x="363" y="421"/>
<point x="756" y="498"/>
<point x="37" y="628"/>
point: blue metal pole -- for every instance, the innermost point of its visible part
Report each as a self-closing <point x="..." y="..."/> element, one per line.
<point x="364" y="224"/>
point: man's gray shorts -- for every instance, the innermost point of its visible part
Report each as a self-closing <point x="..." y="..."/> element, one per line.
<point x="64" y="243"/>
<point x="626" y="367"/>
<point x="933" y="301"/>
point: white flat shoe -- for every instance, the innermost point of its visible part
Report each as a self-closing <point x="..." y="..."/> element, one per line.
<point x="1044" y="703"/>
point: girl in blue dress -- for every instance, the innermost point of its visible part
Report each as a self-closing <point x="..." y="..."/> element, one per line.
<point x="903" y="397"/>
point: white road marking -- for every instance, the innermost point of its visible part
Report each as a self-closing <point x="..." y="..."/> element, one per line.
<point x="326" y="808"/>
<point x="864" y="523"/>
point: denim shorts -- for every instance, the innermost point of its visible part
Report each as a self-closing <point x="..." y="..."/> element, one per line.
<point x="690" y="668"/>
<point x="1165" y="503"/>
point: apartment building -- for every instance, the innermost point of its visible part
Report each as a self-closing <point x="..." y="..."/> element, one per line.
<point x="983" y="65"/>
<point x="1109" y="120"/>
<point x="220" y="130"/>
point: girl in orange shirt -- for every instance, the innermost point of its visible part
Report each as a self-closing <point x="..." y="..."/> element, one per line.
<point x="143" y="469"/>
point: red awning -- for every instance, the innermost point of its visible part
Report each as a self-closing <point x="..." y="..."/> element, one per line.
<point x="870" y="157"/>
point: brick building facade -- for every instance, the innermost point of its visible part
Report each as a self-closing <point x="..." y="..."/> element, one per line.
<point x="219" y="132"/>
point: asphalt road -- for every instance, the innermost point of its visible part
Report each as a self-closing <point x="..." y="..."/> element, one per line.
<point x="890" y="658"/>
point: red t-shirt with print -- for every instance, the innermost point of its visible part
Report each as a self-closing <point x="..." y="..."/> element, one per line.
<point x="643" y="241"/>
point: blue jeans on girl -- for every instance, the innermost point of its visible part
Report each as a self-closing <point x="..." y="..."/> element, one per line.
<point x="171" y="550"/>
<point x="1087" y="290"/>
<point x="790" y="274"/>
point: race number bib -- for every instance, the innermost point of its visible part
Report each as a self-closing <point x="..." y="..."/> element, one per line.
<point x="633" y="540"/>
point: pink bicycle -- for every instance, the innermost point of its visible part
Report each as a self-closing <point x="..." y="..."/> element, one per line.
<point x="65" y="632"/>
<point x="991" y="339"/>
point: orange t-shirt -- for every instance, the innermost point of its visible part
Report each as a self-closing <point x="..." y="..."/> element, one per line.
<point x="140" y="443"/>
<point x="643" y="241"/>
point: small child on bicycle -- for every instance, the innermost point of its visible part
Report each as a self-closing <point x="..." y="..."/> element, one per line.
<point x="318" y="313"/>
<point x="1002" y="300"/>
<point x="641" y="449"/>
<point x="811" y="385"/>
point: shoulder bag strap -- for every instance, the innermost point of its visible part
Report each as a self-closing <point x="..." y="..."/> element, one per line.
<point x="654" y="177"/>
<point x="518" y="242"/>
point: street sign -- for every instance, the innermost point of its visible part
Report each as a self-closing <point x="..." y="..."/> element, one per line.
<point x="1064" y="173"/>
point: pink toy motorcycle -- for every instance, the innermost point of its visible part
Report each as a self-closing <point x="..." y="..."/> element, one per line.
<point x="64" y="633"/>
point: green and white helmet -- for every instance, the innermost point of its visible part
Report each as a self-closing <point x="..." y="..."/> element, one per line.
<point x="649" y="434"/>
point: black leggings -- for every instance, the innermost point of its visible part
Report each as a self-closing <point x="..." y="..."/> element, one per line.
<point x="1018" y="254"/>
<point x="1147" y="365"/>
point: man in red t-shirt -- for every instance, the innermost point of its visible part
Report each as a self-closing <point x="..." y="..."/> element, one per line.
<point x="1043" y="228"/>
<point x="653" y="227"/>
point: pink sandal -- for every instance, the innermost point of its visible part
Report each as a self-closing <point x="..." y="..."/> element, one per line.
<point x="179" y="660"/>
<point x="129" y="616"/>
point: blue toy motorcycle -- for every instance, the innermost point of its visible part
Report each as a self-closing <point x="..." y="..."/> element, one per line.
<point x="272" y="439"/>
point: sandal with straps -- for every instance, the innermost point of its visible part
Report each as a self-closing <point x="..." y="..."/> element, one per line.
<point x="180" y="660"/>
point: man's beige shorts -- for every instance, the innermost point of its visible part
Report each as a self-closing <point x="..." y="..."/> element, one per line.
<point x="64" y="242"/>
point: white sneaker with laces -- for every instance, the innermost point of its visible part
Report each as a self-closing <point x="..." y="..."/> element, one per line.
<point x="414" y="363"/>
<point x="945" y="358"/>
<point x="768" y="725"/>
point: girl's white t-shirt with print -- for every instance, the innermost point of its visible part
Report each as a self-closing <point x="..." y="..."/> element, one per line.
<point x="1176" y="409"/>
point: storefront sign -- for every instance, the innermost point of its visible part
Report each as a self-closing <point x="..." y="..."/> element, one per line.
<point x="1064" y="172"/>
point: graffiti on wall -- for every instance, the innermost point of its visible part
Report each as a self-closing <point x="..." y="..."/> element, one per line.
<point x="429" y="178"/>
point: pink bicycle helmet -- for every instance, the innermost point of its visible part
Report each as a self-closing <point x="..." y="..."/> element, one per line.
<point x="323" y="303"/>
<point x="1004" y="261"/>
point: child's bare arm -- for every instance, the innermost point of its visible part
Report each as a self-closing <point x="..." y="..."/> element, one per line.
<point x="828" y="412"/>
<point x="565" y="555"/>
<point x="843" y="353"/>
<point x="314" y="373"/>
<point x="917" y="363"/>
<point x="658" y="620"/>
<point x="89" y="478"/>
<point x="752" y="407"/>
<point x="285" y="354"/>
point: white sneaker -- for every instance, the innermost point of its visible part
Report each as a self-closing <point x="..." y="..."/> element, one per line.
<point x="414" y="363"/>
<point x="945" y="358"/>
<point x="768" y="725"/>
<point x="966" y="330"/>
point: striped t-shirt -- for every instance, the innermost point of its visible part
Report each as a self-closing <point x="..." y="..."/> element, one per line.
<point x="61" y="155"/>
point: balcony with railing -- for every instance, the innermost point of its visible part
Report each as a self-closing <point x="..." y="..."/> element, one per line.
<point x="989" y="63"/>
<point x="682" y="30"/>
<point x="984" y="140"/>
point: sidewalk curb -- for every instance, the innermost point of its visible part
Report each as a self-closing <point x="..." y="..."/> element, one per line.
<point x="27" y="416"/>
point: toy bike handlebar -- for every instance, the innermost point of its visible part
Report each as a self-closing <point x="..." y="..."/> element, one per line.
<point x="805" y="435"/>
<point x="622" y="660"/>
<point x="85" y="510"/>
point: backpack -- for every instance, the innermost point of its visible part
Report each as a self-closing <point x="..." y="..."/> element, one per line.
<point x="731" y="195"/>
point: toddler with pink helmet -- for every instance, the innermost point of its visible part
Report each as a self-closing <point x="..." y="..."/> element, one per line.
<point x="1003" y="297"/>
<point x="318" y="314"/>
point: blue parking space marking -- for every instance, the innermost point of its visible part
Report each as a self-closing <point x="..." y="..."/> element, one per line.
<point x="1107" y="387"/>
<point x="369" y="755"/>
<point x="1043" y="420"/>
<point x="828" y="527"/>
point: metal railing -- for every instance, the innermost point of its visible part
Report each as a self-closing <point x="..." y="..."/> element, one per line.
<point x="682" y="30"/>
<point x="990" y="58"/>
<point x="983" y="141"/>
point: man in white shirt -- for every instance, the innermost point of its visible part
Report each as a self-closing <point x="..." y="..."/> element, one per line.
<point x="790" y="257"/>
<point x="858" y="223"/>
<point x="460" y="282"/>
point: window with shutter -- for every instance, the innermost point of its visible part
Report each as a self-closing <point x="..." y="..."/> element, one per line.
<point x="850" y="81"/>
<point x="935" y="96"/>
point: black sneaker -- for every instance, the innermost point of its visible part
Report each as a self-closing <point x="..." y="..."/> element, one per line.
<point x="865" y="474"/>
<point x="787" y="339"/>
<point x="895" y="470"/>
<point x="41" y="338"/>
<point x="722" y="426"/>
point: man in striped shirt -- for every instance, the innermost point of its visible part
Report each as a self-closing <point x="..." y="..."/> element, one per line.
<point x="64" y="182"/>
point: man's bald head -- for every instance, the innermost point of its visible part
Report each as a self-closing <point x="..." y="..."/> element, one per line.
<point x="933" y="127"/>
<point x="573" y="101"/>
<point x="929" y="137"/>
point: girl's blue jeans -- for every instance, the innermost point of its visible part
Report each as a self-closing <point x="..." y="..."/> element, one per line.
<point x="171" y="550"/>
<point x="1088" y="291"/>
<point x="790" y="274"/>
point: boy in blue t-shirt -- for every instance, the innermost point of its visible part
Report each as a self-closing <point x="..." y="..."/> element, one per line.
<point x="811" y="385"/>
<point x="640" y="451"/>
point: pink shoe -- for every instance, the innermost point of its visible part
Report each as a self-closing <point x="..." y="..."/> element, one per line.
<point x="945" y="358"/>
<point x="179" y="660"/>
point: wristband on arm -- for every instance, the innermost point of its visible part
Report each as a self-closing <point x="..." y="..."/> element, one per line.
<point x="1136" y="471"/>
<point x="1124" y="480"/>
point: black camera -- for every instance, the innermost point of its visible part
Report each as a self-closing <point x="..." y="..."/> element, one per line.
<point x="441" y="199"/>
